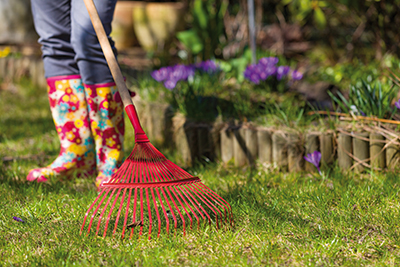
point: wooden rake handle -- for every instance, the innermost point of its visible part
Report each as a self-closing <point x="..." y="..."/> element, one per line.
<point x="130" y="109"/>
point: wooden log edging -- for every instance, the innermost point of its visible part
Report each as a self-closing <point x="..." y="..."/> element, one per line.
<point x="14" y="69"/>
<point x="244" y="145"/>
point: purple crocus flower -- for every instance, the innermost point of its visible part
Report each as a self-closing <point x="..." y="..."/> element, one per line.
<point x="18" y="219"/>
<point x="170" y="84"/>
<point x="314" y="158"/>
<point x="397" y="104"/>
<point x="282" y="71"/>
<point x="177" y="73"/>
<point x="255" y="78"/>
<point x="161" y="74"/>
<point x="249" y="71"/>
<point x="268" y="61"/>
<point x="208" y="66"/>
<point x="270" y="70"/>
<point x="297" y="75"/>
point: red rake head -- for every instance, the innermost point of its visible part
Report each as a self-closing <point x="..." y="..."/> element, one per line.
<point x="152" y="193"/>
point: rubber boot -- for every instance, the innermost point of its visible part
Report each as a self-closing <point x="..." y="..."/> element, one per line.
<point x="70" y="114"/>
<point x="107" y="125"/>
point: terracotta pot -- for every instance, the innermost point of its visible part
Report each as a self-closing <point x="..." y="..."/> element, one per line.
<point x="122" y="25"/>
<point x="156" y="23"/>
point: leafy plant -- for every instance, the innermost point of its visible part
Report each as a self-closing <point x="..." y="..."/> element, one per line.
<point x="367" y="99"/>
<point x="305" y="10"/>
<point x="204" y="38"/>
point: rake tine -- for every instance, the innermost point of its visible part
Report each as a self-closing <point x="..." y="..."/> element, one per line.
<point x="104" y="209"/>
<point x="126" y="213"/>
<point x="98" y="206"/>
<point x="90" y="208"/>
<point x="209" y="201"/>
<point x="119" y="211"/>
<point x="183" y="205"/>
<point x="134" y="212"/>
<point x="205" y="200"/>
<point x="148" y="207"/>
<point x="163" y="209"/>
<point x="227" y="205"/>
<point x="169" y="206"/>
<point x="220" y="200"/>
<point x="158" y="214"/>
<point x="183" y="190"/>
<point x="198" y="204"/>
<point x="110" y="212"/>
<point x="177" y="209"/>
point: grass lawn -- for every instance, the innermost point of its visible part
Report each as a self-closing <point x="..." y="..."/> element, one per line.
<point x="280" y="219"/>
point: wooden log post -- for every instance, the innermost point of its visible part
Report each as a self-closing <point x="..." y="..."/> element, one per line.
<point x="295" y="155"/>
<point x="42" y="83"/>
<point x="251" y="145"/>
<point x="376" y="151"/>
<point x="264" y="139"/>
<point x="312" y="144"/>
<point x="345" y="150"/>
<point x="33" y="72"/>
<point x="326" y="144"/>
<point x="279" y="150"/>
<point x="239" y="147"/>
<point x="360" y="150"/>
<point x="3" y="67"/>
<point x="9" y="74"/>
<point x="392" y="153"/>
<point x="159" y="122"/>
<point x="185" y="138"/>
<point x="226" y="144"/>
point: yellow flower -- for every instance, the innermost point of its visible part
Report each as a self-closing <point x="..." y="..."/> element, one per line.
<point x="77" y="149"/>
<point x="110" y="142"/>
<point x="78" y="123"/>
<point x="65" y="98"/>
<point x="60" y="86"/>
<point x="74" y="99"/>
<point x="109" y="123"/>
<point x="70" y="116"/>
<point x="103" y="91"/>
<point x="5" y="52"/>
<point x="70" y="135"/>
<point x="105" y="104"/>
<point x="68" y="91"/>
<point x="69" y="165"/>
<point x="115" y="154"/>
<point x="94" y="125"/>
<point x="89" y="91"/>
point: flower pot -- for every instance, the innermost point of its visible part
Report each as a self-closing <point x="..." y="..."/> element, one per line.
<point x="122" y="25"/>
<point x="155" y="24"/>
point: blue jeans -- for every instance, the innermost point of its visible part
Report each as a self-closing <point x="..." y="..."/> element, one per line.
<point x="69" y="42"/>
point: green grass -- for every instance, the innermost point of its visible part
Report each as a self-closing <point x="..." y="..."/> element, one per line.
<point x="280" y="219"/>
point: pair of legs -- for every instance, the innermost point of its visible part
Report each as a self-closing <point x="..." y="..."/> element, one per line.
<point x="87" y="111"/>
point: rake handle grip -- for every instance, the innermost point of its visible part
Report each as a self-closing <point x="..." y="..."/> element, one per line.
<point x="115" y="71"/>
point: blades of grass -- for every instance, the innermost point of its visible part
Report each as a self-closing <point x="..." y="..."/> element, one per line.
<point x="337" y="101"/>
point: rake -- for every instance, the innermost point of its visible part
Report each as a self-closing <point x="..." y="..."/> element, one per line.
<point x="149" y="192"/>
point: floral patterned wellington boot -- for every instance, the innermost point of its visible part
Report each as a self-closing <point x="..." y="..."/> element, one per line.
<point x="70" y="114"/>
<point x="107" y="124"/>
